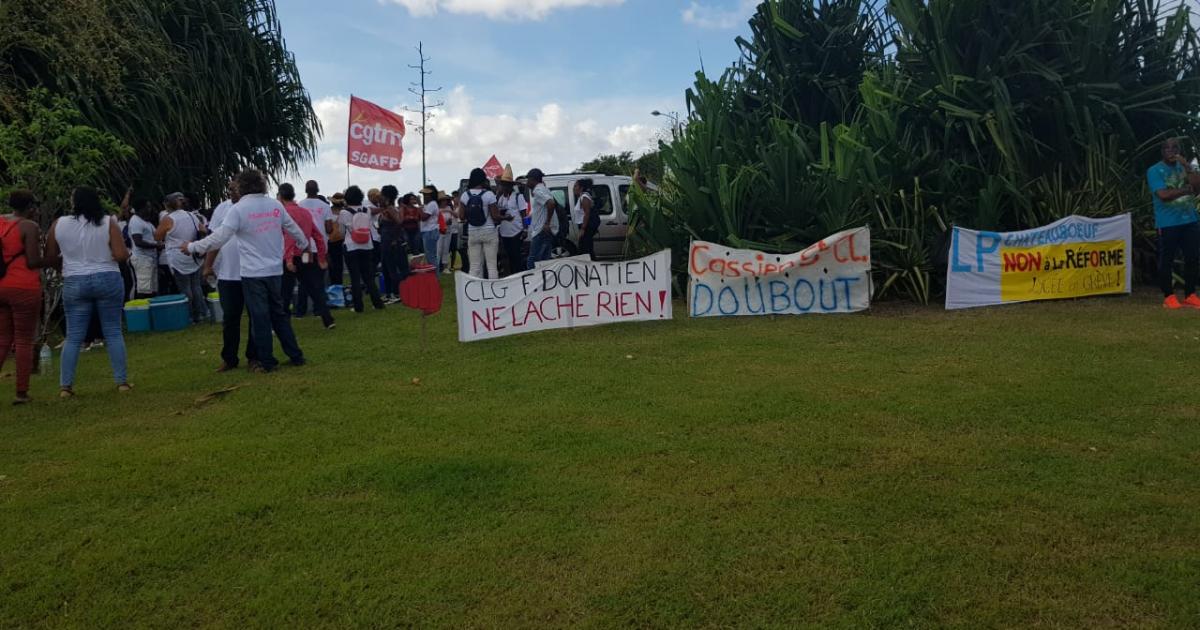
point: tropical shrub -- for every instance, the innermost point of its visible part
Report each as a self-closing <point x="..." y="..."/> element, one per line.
<point x="919" y="114"/>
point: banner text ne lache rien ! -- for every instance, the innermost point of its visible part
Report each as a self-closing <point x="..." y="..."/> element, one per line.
<point x="565" y="293"/>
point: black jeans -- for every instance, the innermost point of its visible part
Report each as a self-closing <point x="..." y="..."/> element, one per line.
<point x="463" y="238"/>
<point x="587" y="242"/>
<point x="232" y="305"/>
<point x="1170" y="241"/>
<point x="415" y="244"/>
<point x="337" y="262"/>
<point x="264" y="301"/>
<point x="311" y="279"/>
<point x="361" y="264"/>
<point x="454" y="238"/>
<point x="512" y="251"/>
<point x="395" y="262"/>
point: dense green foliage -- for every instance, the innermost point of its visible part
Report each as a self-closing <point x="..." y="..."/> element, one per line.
<point x="199" y="88"/>
<point x="919" y="114"/>
<point x="48" y="149"/>
<point x="648" y="164"/>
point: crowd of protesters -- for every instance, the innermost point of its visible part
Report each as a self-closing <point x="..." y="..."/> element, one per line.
<point x="268" y="258"/>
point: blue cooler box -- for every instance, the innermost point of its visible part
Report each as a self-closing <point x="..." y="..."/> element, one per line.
<point x="170" y="312"/>
<point x="137" y="316"/>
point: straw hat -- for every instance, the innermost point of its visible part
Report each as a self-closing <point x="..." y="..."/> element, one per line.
<point x="507" y="176"/>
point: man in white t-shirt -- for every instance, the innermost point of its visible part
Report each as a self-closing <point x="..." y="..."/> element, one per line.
<point x="322" y="214"/>
<point x="542" y="210"/>
<point x="429" y="225"/>
<point x="226" y="265"/>
<point x="259" y="223"/>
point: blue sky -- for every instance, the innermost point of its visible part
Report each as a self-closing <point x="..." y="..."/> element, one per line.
<point x="547" y="83"/>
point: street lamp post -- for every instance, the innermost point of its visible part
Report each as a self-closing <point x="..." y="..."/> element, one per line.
<point x="672" y="115"/>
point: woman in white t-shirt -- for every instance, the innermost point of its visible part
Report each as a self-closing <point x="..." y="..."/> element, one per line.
<point x="481" y="218"/>
<point x="359" y="250"/>
<point x="90" y="248"/>
<point x="512" y="205"/>
<point x="446" y="220"/>
<point x="429" y="225"/>
<point x="178" y="227"/>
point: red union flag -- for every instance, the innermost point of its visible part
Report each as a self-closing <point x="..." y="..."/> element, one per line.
<point x="493" y="169"/>
<point x="376" y="136"/>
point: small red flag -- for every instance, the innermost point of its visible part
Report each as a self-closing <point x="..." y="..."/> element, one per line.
<point x="493" y="168"/>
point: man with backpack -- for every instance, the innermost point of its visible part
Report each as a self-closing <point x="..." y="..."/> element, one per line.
<point x="481" y="215"/>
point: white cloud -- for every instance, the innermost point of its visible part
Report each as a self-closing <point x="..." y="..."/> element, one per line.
<point x="498" y="9"/>
<point x="719" y="17"/>
<point x="556" y="137"/>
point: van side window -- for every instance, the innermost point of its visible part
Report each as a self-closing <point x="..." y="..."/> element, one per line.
<point x="602" y="199"/>
<point x="560" y="196"/>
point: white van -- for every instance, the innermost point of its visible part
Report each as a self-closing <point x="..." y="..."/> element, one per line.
<point x="610" y="195"/>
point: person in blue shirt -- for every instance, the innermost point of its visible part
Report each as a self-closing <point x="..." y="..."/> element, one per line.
<point x="1177" y="222"/>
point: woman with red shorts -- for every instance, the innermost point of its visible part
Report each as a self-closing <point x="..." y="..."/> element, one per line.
<point x="20" y="286"/>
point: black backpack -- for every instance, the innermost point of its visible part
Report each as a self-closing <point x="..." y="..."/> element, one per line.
<point x="476" y="216"/>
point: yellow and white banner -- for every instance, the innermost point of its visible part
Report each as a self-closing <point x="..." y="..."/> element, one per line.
<point x="1071" y="258"/>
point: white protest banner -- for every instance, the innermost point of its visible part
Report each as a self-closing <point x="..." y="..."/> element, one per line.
<point x="1070" y="258"/>
<point x="831" y="276"/>
<point x="562" y="294"/>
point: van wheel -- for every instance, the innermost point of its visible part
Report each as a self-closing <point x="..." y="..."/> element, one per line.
<point x="563" y="249"/>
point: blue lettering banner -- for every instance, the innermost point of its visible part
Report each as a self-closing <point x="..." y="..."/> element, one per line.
<point x="831" y="276"/>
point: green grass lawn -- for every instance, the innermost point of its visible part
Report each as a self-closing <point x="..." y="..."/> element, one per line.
<point x="1033" y="465"/>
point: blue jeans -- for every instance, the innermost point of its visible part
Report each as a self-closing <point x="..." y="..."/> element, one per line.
<point x="264" y="302"/>
<point x="429" y="240"/>
<point x="104" y="295"/>
<point x="540" y="248"/>
<point x="191" y="285"/>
